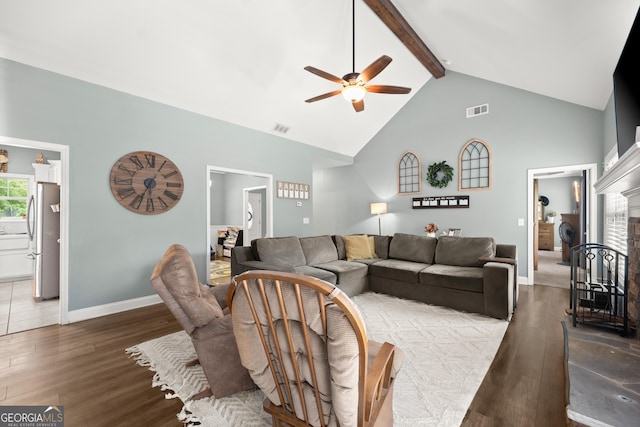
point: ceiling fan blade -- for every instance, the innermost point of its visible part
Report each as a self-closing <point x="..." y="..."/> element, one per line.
<point x="375" y="68"/>
<point x="323" y="96"/>
<point x="388" y="89"/>
<point x="358" y="106"/>
<point x="324" y="75"/>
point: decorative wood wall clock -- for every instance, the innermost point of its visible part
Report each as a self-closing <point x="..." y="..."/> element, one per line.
<point x="145" y="182"/>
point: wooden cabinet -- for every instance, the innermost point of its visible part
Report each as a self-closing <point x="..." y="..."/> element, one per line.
<point x="545" y="236"/>
<point x="14" y="261"/>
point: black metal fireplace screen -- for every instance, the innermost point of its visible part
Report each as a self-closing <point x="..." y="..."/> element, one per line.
<point x="599" y="286"/>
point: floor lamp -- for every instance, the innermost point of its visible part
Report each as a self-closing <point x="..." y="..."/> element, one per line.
<point x="379" y="208"/>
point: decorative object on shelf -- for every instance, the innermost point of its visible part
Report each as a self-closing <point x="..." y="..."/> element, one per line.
<point x="145" y="182"/>
<point x="4" y="160"/>
<point x="409" y="173"/>
<point x="39" y="158"/>
<point x="474" y="166"/>
<point x="456" y="232"/>
<point x="439" y="175"/>
<point x="293" y="190"/>
<point x="431" y="229"/>
<point x="440" y="202"/>
<point x="377" y="209"/>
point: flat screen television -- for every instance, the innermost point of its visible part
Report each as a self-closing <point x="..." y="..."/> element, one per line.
<point x="626" y="90"/>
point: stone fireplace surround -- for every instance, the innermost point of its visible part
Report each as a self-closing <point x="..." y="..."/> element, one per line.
<point x="624" y="178"/>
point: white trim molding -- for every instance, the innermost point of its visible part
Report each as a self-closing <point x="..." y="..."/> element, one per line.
<point x="624" y="177"/>
<point x="112" y="308"/>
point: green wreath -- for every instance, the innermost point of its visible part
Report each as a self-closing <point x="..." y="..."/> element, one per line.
<point x="434" y="171"/>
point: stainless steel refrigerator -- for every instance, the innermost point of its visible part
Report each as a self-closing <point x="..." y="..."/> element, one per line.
<point x="43" y="226"/>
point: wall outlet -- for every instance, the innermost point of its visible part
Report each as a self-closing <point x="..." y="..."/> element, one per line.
<point x="520" y="222"/>
<point x="305" y="220"/>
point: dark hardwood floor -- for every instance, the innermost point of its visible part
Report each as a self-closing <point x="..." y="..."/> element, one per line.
<point x="525" y="385"/>
<point x="84" y="368"/>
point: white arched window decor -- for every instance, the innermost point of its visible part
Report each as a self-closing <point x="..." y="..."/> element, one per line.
<point x="474" y="166"/>
<point x="409" y="174"/>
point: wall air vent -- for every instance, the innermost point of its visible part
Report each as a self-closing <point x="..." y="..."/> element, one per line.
<point x="478" y="110"/>
<point x="281" y="128"/>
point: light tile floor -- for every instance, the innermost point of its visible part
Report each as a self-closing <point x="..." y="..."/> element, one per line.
<point x="19" y="312"/>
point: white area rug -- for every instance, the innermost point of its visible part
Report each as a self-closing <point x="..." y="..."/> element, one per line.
<point x="447" y="354"/>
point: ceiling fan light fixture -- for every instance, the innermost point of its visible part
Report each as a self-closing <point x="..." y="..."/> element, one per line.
<point x="354" y="92"/>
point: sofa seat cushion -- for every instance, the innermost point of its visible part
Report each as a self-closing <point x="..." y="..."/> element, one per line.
<point x="318" y="249"/>
<point x="464" y="251"/>
<point x="367" y="261"/>
<point x="282" y="251"/>
<point x="410" y="247"/>
<point x="453" y="277"/>
<point x="318" y="273"/>
<point x="397" y="269"/>
<point x="345" y="270"/>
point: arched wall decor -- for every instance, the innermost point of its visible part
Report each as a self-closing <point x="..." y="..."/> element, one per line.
<point x="409" y="172"/>
<point x="474" y="166"/>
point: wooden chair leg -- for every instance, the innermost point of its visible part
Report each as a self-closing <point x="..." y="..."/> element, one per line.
<point x="193" y="362"/>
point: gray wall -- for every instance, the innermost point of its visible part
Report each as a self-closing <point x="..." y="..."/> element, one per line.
<point x="112" y="251"/>
<point x="560" y="192"/>
<point x="21" y="159"/>
<point x="523" y="130"/>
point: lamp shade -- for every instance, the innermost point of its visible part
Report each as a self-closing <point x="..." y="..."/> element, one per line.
<point x="378" y="208"/>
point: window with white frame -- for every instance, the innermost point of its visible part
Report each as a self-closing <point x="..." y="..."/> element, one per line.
<point x="615" y="213"/>
<point x="14" y="195"/>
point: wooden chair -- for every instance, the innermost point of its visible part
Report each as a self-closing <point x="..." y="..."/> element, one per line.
<point x="305" y="345"/>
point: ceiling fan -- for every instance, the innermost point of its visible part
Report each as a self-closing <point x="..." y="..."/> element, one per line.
<point x="354" y="85"/>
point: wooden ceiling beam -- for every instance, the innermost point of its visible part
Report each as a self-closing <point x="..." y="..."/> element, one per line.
<point x="393" y="19"/>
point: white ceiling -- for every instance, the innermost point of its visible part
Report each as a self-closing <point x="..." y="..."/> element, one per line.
<point x="242" y="61"/>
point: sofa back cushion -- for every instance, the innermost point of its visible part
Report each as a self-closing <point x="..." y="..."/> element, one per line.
<point x="280" y="251"/>
<point x="464" y="251"/>
<point x="410" y="247"/>
<point x="318" y="249"/>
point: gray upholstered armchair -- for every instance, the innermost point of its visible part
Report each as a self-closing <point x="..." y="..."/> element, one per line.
<point x="202" y="317"/>
<point x="305" y="345"/>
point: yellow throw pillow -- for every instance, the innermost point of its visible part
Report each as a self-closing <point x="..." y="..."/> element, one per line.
<point x="359" y="247"/>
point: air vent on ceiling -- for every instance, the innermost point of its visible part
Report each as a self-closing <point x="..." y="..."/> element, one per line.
<point x="478" y="110"/>
<point x="281" y="128"/>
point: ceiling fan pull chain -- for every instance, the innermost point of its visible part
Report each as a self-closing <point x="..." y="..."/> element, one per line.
<point x="353" y="36"/>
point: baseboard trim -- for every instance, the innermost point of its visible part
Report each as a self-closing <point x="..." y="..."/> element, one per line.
<point x="111" y="308"/>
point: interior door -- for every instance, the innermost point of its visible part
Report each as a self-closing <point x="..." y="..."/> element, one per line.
<point x="254" y="216"/>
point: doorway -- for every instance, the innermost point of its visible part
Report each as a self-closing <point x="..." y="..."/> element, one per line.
<point x="583" y="204"/>
<point x="228" y="196"/>
<point x="63" y="150"/>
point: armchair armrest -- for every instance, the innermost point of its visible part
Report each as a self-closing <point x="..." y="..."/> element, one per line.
<point x="378" y="380"/>
<point x="511" y="261"/>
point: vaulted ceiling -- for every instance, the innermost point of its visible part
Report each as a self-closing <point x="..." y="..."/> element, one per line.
<point x="243" y="61"/>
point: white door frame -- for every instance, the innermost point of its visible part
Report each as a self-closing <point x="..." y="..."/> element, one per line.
<point x="269" y="202"/>
<point x="592" y="217"/>
<point x="64" y="213"/>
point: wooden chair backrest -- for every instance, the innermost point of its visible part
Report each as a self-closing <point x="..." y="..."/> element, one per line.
<point x="270" y="293"/>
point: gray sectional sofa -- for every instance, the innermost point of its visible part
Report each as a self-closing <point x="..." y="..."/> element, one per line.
<point x="472" y="274"/>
